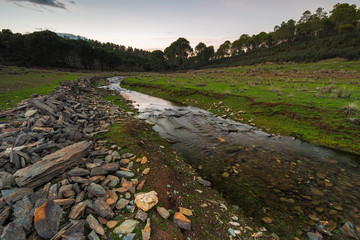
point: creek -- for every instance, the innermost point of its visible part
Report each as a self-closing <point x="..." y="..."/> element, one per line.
<point x="297" y="184"/>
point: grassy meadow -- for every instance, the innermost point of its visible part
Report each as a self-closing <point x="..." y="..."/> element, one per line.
<point x="315" y="102"/>
<point x="18" y="83"/>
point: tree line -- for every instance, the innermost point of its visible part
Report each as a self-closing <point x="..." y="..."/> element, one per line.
<point x="47" y="49"/>
<point x="313" y="37"/>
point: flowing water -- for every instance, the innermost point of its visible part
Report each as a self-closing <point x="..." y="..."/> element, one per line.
<point x="296" y="184"/>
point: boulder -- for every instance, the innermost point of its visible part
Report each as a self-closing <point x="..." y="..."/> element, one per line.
<point x="51" y="165"/>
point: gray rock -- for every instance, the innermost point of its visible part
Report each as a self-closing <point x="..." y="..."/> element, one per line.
<point x="78" y="172"/>
<point x="13" y="231"/>
<point x="96" y="190"/>
<point x="22" y="213"/>
<point x="47" y="219"/>
<point x="129" y="236"/>
<point x="98" y="171"/>
<point x="126" y="227"/>
<point x="102" y="208"/>
<point x="74" y="236"/>
<point x="15" y="194"/>
<point x="122" y="203"/>
<point x="141" y="215"/>
<point x="111" y="167"/>
<point x="77" y="211"/>
<point x="51" y="165"/>
<point x="204" y="182"/>
<point x="14" y="159"/>
<point x="43" y="108"/>
<point x="30" y="113"/>
<point x="124" y="174"/>
<point x="7" y="180"/>
<point x="93" y="236"/>
<point x="4" y="215"/>
<point x="312" y="236"/>
<point x="163" y="212"/>
<point x="95" y="225"/>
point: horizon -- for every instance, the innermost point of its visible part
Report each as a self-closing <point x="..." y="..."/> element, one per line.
<point x="156" y="23"/>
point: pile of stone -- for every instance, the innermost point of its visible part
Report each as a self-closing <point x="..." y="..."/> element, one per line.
<point x="55" y="181"/>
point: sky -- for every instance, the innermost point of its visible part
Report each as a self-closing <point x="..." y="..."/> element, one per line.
<point x="155" y="24"/>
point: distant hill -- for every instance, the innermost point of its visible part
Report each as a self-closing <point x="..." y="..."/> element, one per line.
<point x="71" y="36"/>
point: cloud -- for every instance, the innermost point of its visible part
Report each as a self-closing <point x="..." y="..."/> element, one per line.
<point x="48" y="3"/>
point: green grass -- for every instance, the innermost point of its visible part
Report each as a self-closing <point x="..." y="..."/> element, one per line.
<point x="18" y="83"/>
<point x="291" y="99"/>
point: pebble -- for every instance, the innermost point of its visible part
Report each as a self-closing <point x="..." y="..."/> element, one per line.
<point x="163" y="212"/>
<point x="146" y="201"/>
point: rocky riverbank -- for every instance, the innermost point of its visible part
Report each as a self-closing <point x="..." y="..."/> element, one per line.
<point x="60" y="180"/>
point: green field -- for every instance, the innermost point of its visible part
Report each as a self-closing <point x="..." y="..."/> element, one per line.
<point x="315" y="102"/>
<point x="18" y="83"/>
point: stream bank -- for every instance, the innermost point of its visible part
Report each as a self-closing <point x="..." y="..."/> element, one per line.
<point x="293" y="187"/>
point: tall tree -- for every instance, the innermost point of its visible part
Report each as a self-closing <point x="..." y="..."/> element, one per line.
<point x="178" y="52"/>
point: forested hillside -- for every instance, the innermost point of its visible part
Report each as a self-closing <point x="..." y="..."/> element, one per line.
<point x="315" y="36"/>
